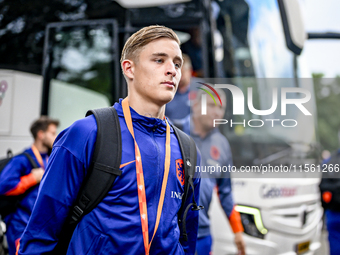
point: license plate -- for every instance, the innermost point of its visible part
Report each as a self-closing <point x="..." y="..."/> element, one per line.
<point x="302" y="247"/>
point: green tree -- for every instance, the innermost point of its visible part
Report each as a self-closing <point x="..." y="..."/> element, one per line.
<point x="327" y="92"/>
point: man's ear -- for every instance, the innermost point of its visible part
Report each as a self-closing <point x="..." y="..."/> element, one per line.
<point x="40" y="134"/>
<point x="128" y="67"/>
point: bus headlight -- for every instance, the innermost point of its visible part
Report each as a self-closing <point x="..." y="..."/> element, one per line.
<point x="252" y="221"/>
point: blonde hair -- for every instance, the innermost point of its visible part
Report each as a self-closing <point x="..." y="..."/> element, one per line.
<point x="144" y="36"/>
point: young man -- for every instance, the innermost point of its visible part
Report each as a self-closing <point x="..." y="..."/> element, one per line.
<point x="19" y="178"/>
<point x="215" y="150"/>
<point x="125" y="221"/>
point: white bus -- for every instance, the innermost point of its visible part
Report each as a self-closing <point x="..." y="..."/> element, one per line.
<point x="254" y="43"/>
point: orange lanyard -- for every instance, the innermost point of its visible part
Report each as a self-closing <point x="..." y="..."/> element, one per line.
<point x="140" y="179"/>
<point x="38" y="156"/>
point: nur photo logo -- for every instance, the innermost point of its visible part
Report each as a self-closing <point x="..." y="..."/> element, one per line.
<point x="301" y="96"/>
<point x="204" y="97"/>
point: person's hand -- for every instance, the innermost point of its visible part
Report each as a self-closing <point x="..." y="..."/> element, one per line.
<point x="241" y="247"/>
<point x="38" y="173"/>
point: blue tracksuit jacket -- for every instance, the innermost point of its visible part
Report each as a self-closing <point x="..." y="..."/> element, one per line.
<point x="215" y="150"/>
<point x="114" y="226"/>
<point x="16" y="176"/>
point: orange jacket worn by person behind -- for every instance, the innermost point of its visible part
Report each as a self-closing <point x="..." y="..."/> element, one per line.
<point x="114" y="226"/>
<point x="16" y="179"/>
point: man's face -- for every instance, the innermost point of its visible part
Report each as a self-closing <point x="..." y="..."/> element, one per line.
<point x="49" y="136"/>
<point x="157" y="72"/>
<point x="213" y="112"/>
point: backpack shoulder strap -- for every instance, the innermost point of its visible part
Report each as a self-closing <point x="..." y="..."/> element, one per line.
<point x="189" y="155"/>
<point x="105" y="162"/>
<point x="101" y="175"/>
<point x="5" y="161"/>
<point x="30" y="159"/>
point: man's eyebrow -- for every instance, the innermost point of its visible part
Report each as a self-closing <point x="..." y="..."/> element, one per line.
<point x="163" y="54"/>
<point x="160" y="54"/>
<point x="179" y="59"/>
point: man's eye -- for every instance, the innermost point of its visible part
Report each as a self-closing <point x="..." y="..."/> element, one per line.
<point x="159" y="60"/>
<point x="178" y="65"/>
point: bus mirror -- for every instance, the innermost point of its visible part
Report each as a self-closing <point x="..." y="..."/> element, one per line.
<point x="147" y="3"/>
<point x="293" y="25"/>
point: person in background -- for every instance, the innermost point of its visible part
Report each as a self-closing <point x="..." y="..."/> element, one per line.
<point x="18" y="177"/>
<point x="330" y="198"/>
<point x="215" y="150"/>
<point x="178" y="110"/>
<point x="193" y="48"/>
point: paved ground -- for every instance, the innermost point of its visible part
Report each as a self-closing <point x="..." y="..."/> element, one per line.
<point x="324" y="244"/>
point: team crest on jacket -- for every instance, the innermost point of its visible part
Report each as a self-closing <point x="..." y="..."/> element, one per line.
<point x="180" y="171"/>
<point x="214" y="152"/>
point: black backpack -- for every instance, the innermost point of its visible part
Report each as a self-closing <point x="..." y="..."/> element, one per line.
<point x="330" y="183"/>
<point x="8" y="204"/>
<point x="105" y="169"/>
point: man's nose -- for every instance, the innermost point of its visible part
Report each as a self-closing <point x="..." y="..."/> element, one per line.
<point x="170" y="69"/>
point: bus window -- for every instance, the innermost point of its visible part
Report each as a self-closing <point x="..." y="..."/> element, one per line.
<point x="80" y="70"/>
<point x="256" y="57"/>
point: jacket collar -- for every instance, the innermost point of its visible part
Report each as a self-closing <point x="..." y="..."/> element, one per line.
<point x="141" y="122"/>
